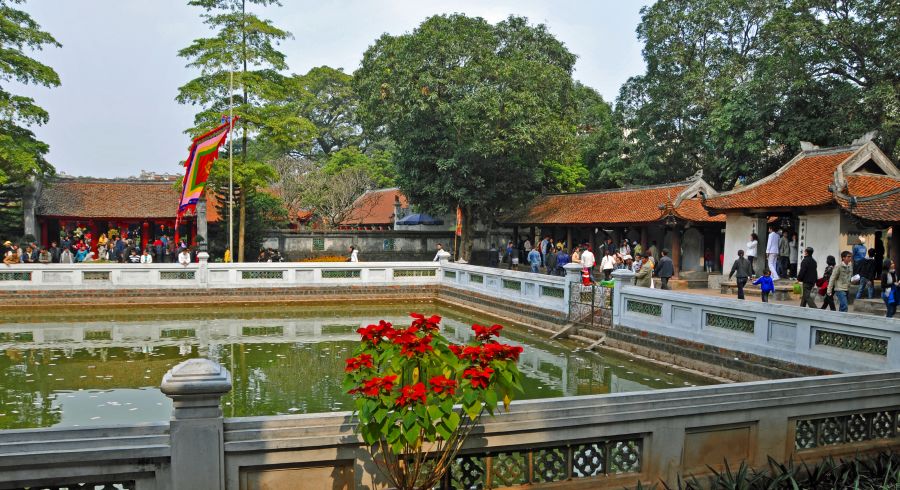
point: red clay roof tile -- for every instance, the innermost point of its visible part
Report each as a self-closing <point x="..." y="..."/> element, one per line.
<point x="97" y="198"/>
<point x="803" y="183"/>
<point x="375" y="208"/>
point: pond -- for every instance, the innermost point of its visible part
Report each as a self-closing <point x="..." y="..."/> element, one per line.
<point x="91" y="366"/>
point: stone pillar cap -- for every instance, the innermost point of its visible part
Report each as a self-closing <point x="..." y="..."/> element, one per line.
<point x="625" y="273"/>
<point x="573" y="266"/>
<point x="196" y="377"/>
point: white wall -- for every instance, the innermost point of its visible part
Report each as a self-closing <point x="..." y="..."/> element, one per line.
<point x="823" y="234"/>
<point x="738" y="228"/>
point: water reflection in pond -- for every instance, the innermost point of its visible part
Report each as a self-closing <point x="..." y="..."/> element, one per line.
<point x="283" y="360"/>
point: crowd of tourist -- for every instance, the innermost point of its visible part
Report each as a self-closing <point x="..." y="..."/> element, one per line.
<point x="550" y="256"/>
<point x="81" y="246"/>
<point x="860" y="266"/>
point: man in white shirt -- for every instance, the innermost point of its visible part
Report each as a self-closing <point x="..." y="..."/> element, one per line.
<point x="441" y="254"/>
<point x="588" y="261"/>
<point x="772" y="251"/>
<point x="146" y="258"/>
<point x="607" y="264"/>
<point x="184" y="258"/>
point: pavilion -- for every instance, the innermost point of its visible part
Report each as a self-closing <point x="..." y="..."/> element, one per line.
<point x="141" y="207"/>
<point x="670" y="215"/>
<point x="829" y="196"/>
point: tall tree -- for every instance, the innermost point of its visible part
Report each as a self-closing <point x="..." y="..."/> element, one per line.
<point x="733" y="86"/>
<point x="477" y="111"/>
<point x="22" y="155"/>
<point x="244" y="45"/>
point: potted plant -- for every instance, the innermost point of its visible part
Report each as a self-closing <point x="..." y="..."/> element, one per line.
<point x="418" y="395"/>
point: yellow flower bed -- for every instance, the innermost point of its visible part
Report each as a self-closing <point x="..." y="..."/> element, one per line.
<point x="327" y="258"/>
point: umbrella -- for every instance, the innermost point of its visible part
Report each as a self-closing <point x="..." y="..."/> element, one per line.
<point x="420" y="219"/>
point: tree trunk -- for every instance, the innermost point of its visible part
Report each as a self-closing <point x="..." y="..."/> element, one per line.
<point x="468" y="234"/>
<point x="242" y="205"/>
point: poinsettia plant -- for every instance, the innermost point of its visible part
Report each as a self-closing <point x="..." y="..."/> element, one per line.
<point x="418" y="395"/>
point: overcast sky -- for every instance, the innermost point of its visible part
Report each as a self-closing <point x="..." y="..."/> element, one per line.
<point x="115" y="113"/>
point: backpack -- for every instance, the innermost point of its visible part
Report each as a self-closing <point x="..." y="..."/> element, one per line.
<point x="822" y="284"/>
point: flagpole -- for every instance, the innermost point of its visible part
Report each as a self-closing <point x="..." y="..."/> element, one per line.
<point x="231" y="163"/>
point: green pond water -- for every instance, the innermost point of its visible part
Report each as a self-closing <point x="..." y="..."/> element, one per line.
<point x="91" y="366"/>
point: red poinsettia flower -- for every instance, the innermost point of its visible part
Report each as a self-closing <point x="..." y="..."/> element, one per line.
<point x="441" y="385"/>
<point x="455" y="349"/>
<point x="478" y="377"/>
<point x="375" y="386"/>
<point x="411" y="394"/>
<point x="512" y="352"/>
<point x="470" y="353"/>
<point x="431" y="323"/>
<point x="416" y="346"/>
<point x="485" y="333"/>
<point x="359" y="362"/>
<point x="375" y="333"/>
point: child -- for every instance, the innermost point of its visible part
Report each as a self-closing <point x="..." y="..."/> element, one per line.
<point x="766" y="285"/>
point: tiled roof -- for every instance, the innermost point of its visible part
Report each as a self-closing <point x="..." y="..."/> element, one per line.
<point x="877" y="197"/>
<point x="801" y="183"/>
<point x="113" y="198"/>
<point x="616" y="206"/>
<point x="375" y="208"/>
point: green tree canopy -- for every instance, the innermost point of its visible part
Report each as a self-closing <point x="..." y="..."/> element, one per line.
<point x="22" y="155"/>
<point x="733" y="86"/>
<point x="477" y="111"/>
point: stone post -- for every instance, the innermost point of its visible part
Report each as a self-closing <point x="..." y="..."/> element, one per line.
<point x="203" y="269"/>
<point x="621" y="278"/>
<point x="202" y="244"/>
<point x="29" y="209"/>
<point x="196" y="429"/>
<point x="573" y="276"/>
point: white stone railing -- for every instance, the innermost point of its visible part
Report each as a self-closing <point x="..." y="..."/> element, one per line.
<point x="833" y="341"/>
<point x="214" y="275"/>
<point x="600" y="441"/>
<point x="539" y="290"/>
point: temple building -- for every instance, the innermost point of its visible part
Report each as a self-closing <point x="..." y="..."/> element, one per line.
<point x="829" y="196"/>
<point x="671" y="215"/>
<point x="142" y="208"/>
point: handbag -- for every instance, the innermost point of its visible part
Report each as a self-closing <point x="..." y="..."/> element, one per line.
<point x="892" y="298"/>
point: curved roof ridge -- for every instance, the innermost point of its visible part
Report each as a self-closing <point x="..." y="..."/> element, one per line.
<point x="622" y="189"/>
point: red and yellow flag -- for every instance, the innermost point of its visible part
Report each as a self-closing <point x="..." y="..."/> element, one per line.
<point x="458" y="221"/>
<point x="203" y="152"/>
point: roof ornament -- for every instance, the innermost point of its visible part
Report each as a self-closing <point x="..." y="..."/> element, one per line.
<point x="807" y="146"/>
<point x="865" y="138"/>
<point x="697" y="176"/>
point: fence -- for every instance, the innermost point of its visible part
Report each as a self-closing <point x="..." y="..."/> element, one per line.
<point x="602" y="441"/>
<point x="841" y="342"/>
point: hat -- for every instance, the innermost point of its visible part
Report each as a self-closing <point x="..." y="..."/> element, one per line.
<point x="628" y="257"/>
<point x="7" y="243"/>
<point x="862" y="239"/>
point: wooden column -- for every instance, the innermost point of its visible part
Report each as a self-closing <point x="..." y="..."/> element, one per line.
<point x="644" y="238"/>
<point x="569" y="238"/>
<point x="717" y="249"/>
<point x="676" y="251"/>
<point x="515" y="238"/>
<point x="531" y="237"/>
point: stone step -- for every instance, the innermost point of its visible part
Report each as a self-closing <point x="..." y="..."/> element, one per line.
<point x="870" y="306"/>
<point x="781" y="293"/>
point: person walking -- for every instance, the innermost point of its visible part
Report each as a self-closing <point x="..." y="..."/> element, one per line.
<point x="859" y="254"/>
<point x="866" y="270"/>
<point x="607" y="264"/>
<point x="751" y="252"/>
<point x="808" y="275"/>
<point x="772" y="252"/>
<point x="839" y="282"/>
<point x="534" y="260"/>
<point x="666" y="269"/>
<point x="587" y="262"/>
<point x="890" y="290"/>
<point x="766" y="286"/>
<point x="562" y="258"/>
<point x="512" y="256"/>
<point x="441" y="254"/>
<point x="741" y="268"/>
<point x="828" y="301"/>
<point x="784" y="254"/>
<point x="644" y="276"/>
<point x="354" y="254"/>
<point x="550" y="261"/>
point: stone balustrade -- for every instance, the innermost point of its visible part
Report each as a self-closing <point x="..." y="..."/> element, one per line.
<point x="599" y="441"/>
<point x="826" y="340"/>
